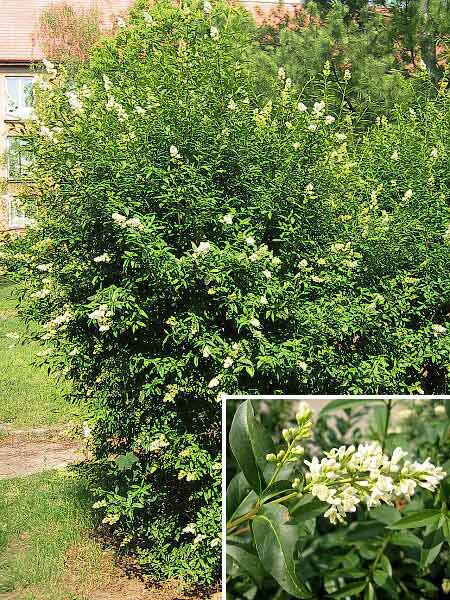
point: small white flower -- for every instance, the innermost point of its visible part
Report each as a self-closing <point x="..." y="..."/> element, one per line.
<point x="227" y="363"/>
<point x="250" y="241"/>
<point x="255" y="323"/>
<point x="281" y="73"/>
<point x="296" y="145"/>
<point x="347" y="75"/>
<point x="263" y="300"/>
<point x="49" y="67"/>
<point x="408" y="194"/>
<point x="40" y="294"/>
<point x="199" y="538"/>
<point x="214" y="33"/>
<point x="207" y="7"/>
<point x="215" y="542"/>
<point x="302" y="365"/>
<point x="102" y="258"/>
<point x="303" y="263"/>
<point x="44" y="267"/>
<point x="107" y="83"/>
<point x="227" y="219"/>
<point x="118" y="218"/>
<point x="302" y="107"/>
<point x="206" y="352"/>
<point x="318" y="108"/>
<point x="267" y="274"/>
<point x="190" y="528"/>
<point x="174" y="152"/>
<point x="434" y="153"/>
<point x="439" y="410"/>
<point x="232" y="105"/>
<point x="438" y="329"/>
<point x="214" y="382"/>
<point x="203" y="248"/>
<point x="395" y="155"/>
<point x="120" y="22"/>
<point x="75" y="102"/>
<point x="312" y="127"/>
<point x="87" y="431"/>
<point x="329" y="119"/>
<point x="140" y="111"/>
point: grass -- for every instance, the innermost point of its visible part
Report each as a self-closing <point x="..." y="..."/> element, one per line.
<point x="28" y="396"/>
<point x="46" y="552"/>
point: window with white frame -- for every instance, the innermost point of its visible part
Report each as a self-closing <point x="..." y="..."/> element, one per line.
<point x="19" y="158"/>
<point x="16" y="215"/>
<point x="19" y="96"/>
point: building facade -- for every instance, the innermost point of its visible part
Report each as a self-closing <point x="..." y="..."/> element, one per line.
<point x="19" y="51"/>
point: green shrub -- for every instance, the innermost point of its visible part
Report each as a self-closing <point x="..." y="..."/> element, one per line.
<point x="191" y="239"/>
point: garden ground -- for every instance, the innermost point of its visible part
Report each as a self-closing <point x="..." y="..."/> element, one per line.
<point x="47" y="547"/>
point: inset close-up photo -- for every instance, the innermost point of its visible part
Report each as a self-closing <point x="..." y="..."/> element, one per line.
<point x="344" y="498"/>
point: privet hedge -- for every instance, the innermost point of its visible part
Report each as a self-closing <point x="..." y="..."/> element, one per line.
<point x="191" y="239"/>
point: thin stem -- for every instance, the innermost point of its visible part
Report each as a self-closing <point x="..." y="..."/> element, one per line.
<point x="246" y="517"/>
<point x="386" y="425"/>
<point x="284" y="498"/>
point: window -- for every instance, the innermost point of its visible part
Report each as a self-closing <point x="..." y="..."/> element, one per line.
<point x="16" y="216"/>
<point x="19" y="97"/>
<point x="19" y="158"/>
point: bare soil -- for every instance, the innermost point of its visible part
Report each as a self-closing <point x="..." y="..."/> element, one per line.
<point x="22" y="455"/>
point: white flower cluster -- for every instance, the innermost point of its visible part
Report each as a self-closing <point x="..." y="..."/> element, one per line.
<point x="113" y="105"/>
<point x="102" y="258"/>
<point x="75" y="103"/>
<point x="158" y="443"/>
<point x="123" y="222"/>
<point x="348" y="476"/>
<point x="103" y="317"/>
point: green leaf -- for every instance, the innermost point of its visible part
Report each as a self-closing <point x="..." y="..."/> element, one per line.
<point x="380" y="577"/>
<point x="275" y="543"/>
<point x="344" y="403"/>
<point x="385" y="514"/>
<point x="307" y="508"/>
<point x="237" y="490"/>
<point x="126" y="461"/>
<point x="245" y="506"/>
<point x="278" y="488"/>
<point x="369" y="594"/>
<point x="417" y="519"/>
<point x="406" y="539"/>
<point x="353" y="589"/>
<point x="432" y="544"/>
<point x="248" y="562"/>
<point x="250" y="443"/>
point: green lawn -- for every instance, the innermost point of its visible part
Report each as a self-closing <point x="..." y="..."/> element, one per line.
<point x="46" y="552"/>
<point x="28" y="396"/>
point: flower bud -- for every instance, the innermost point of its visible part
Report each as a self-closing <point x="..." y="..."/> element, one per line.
<point x="286" y="434"/>
<point x="280" y="455"/>
<point x="304" y="413"/>
<point x="296" y="484"/>
<point x="446" y="586"/>
<point x="298" y="450"/>
<point x="271" y="458"/>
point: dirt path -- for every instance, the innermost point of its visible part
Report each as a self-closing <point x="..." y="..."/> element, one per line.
<point x="24" y="452"/>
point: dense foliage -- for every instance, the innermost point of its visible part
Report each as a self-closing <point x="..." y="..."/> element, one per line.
<point x="192" y="238"/>
<point x="366" y="521"/>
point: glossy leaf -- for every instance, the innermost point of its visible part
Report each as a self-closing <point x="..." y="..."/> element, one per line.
<point x="277" y="489"/>
<point x="248" y="562"/>
<point x="250" y="443"/>
<point x="353" y="589"/>
<point x="307" y="507"/>
<point x="417" y="519"/>
<point x="343" y="403"/>
<point x="275" y="543"/>
<point x="237" y="490"/>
